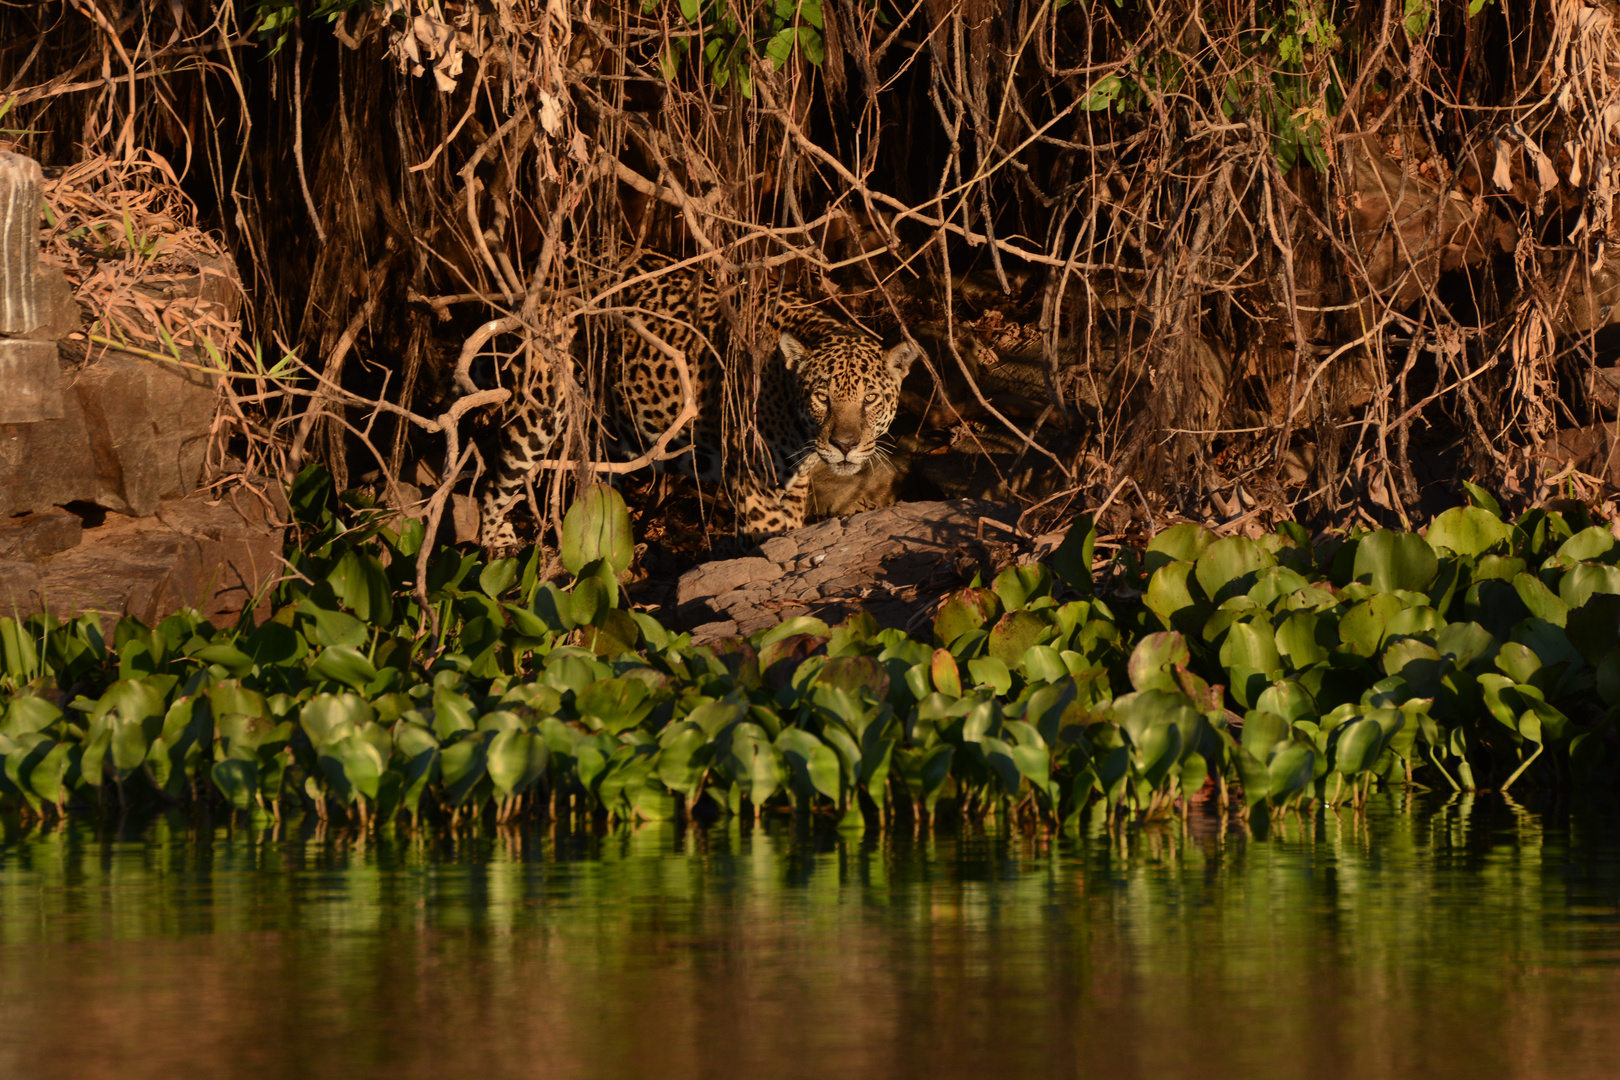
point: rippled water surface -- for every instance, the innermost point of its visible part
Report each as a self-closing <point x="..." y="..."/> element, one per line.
<point x="1474" y="938"/>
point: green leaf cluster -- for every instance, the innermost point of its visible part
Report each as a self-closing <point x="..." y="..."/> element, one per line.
<point x="729" y="40"/>
<point x="1264" y="673"/>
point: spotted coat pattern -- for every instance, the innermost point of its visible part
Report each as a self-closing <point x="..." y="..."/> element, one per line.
<point x="827" y="394"/>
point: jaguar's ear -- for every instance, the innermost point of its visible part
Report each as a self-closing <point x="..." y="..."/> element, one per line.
<point x="900" y="358"/>
<point x="792" y="350"/>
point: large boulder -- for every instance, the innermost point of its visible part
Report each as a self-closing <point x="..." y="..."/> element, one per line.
<point x="893" y="563"/>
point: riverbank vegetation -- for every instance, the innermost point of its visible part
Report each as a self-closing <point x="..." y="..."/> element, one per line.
<point x="1252" y="676"/>
<point x="1298" y="261"/>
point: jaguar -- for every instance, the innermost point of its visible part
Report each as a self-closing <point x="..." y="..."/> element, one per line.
<point x="827" y="394"/>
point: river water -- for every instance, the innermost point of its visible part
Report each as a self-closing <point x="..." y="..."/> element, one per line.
<point x="1470" y="938"/>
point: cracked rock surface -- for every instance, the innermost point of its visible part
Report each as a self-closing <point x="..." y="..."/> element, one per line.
<point x="189" y="554"/>
<point x="893" y="563"/>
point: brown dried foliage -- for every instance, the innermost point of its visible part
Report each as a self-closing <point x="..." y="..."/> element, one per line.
<point x="1262" y="282"/>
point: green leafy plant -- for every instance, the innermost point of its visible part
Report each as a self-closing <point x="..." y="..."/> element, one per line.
<point x="730" y="41"/>
<point x="1264" y="675"/>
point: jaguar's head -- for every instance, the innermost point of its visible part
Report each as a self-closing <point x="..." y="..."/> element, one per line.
<point x="850" y="386"/>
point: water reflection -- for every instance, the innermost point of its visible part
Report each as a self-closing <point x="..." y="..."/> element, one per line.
<point x="1465" y="938"/>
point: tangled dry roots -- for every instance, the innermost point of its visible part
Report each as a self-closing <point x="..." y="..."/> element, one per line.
<point x="1324" y="255"/>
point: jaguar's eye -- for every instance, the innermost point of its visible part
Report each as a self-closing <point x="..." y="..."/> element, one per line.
<point x="872" y="398"/>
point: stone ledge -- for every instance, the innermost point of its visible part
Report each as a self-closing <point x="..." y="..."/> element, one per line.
<point x="191" y="554"/>
<point x="893" y="563"/>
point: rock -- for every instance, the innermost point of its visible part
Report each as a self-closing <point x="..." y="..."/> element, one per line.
<point x="32" y="381"/>
<point x="132" y="433"/>
<point x="21" y="182"/>
<point x="38" y="536"/>
<point x="779" y="549"/>
<point x="57" y="311"/>
<point x="190" y="554"/>
<point x="893" y="563"/>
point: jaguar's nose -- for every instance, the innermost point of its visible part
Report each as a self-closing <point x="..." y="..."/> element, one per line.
<point x="846" y="443"/>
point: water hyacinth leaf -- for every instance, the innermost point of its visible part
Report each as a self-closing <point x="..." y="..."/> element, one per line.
<point x="1044" y="664"/>
<point x="1417" y="663"/>
<point x="614" y="634"/>
<point x="1262" y="731"/>
<point x="1159" y="749"/>
<point x="651" y="803"/>
<point x="588" y="601"/>
<point x="1287" y="699"/>
<point x="1179" y="543"/>
<point x="1582" y="582"/>
<point x="971" y="644"/>
<point x="553" y="607"/>
<point x="1363" y="627"/>
<point x="1230" y="566"/>
<point x="1290" y="771"/>
<point x="999" y="757"/>
<point x="947" y="680"/>
<point x="1194" y="774"/>
<point x="1465" y="642"/>
<point x="1072" y="559"/>
<point x="814" y="765"/>
<point x="1414" y="620"/>
<point x="1154" y="659"/>
<point x="1358" y="746"/>
<point x="360" y="584"/>
<point x="516" y="760"/>
<point x="1304" y="639"/>
<point x="1552" y="645"/>
<point x="1013" y="634"/>
<point x="783" y="658"/>
<point x="498" y="577"/>
<point x="1608" y="678"/>
<point x="1483" y="499"/>
<point x="1518" y="662"/>
<point x="1540" y="600"/>
<point x="1594" y="627"/>
<point x="682" y="760"/>
<point x="856" y="675"/>
<point x="1471" y="531"/>
<point x="1495" y="605"/>
<point x="597" y="526"/>
<point x="237" y="780"/>
<point x="1170" y="597"/>
<point x="1399" y="734"/>
<point x="352" y="767"/>
<point x="462" y="764"/>
<point x="229" y="657"/>
<point x="570" y="671"/>
<point x="766" y="771"/>
<point x="1595" y="542"/>
<point x="274" y="645"/>
<point x="713" y="717"/>
<point x="26" y="715"/>
<point x="616" y="704"/>
<point x="1017" y="586"/>
<point x="991" y="672"/>
<point x="1275" y="583"/>
<point x="1253" y="775"/>
<point x="45" y="777"/>
<point x="1389" y="561"/>
<point x="964" y="612"/>
<point x="327" y="628"/>
<point x="849" y="754"/>
<point x="1047" y="706"/>
<point x="1251" y="645"/>
<point x="343" y="664"/>
<point x="807" y="625"/>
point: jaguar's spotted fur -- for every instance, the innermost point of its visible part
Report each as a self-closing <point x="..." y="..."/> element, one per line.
<point x="827" y="387"/>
